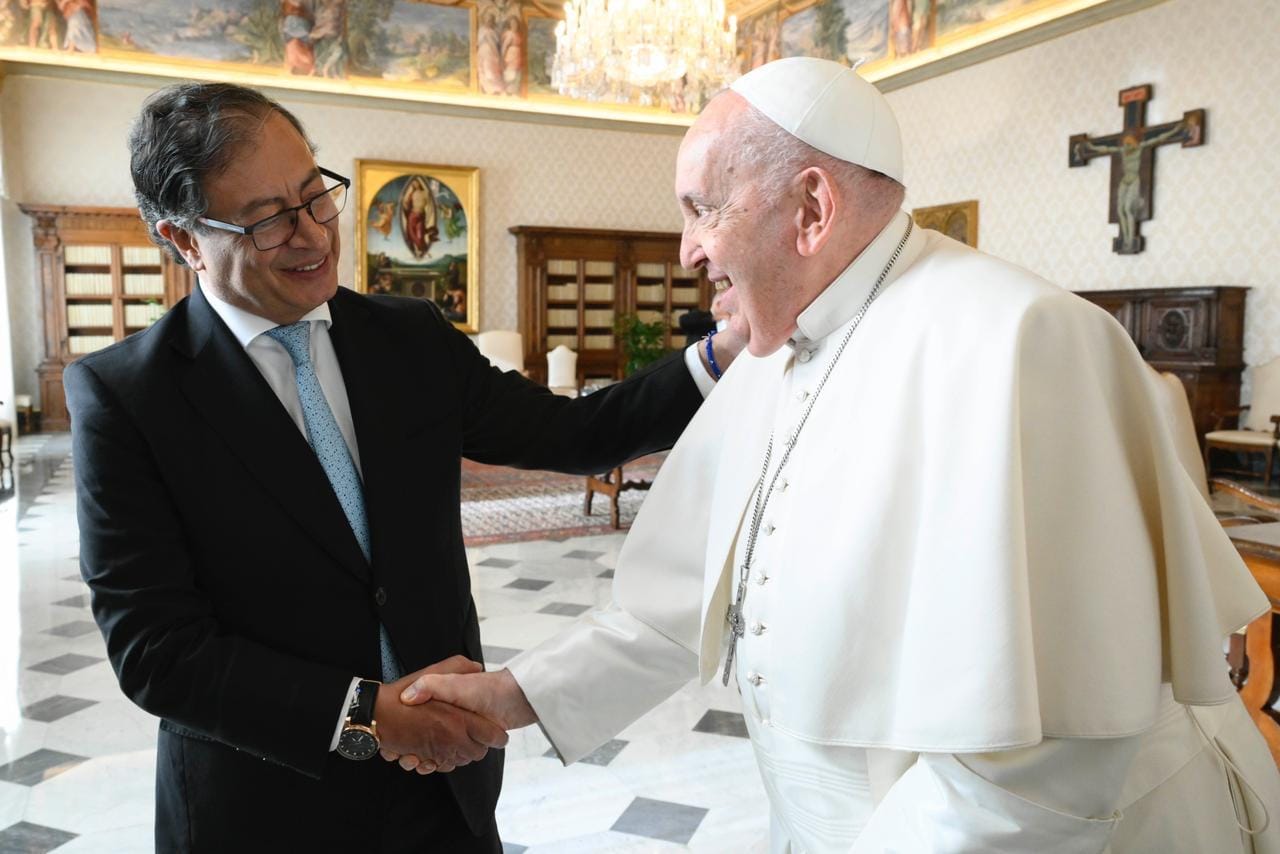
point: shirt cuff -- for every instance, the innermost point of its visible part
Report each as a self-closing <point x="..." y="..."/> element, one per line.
<point x="701" y="377"/>
<point x="342" y="716"/>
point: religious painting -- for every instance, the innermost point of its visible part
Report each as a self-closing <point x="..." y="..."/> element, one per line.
<point x="421" y="43"/>
<point x="760" y="38"/>
<point x="418" y="235"/>
<point x="222" y="31"/>
<point x="854" y="31"/>
<point x="70" y="26"/>
<point x="500" y="47"/>
<point x="958" y="220"/>
<point x="954" y="15"/>
<point x="541" y="54"/>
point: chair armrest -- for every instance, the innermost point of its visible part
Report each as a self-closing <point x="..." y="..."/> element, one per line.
<point x="1275" y="431"/>
<point x="1222" y="417"/>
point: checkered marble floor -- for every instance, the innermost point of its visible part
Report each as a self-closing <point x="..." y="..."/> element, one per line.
<point x="77" y="758"/>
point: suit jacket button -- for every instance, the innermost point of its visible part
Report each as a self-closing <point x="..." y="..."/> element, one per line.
<point x="380" y="597"/>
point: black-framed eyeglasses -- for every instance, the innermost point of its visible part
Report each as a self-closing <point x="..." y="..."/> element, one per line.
<point x="279" y="228"/>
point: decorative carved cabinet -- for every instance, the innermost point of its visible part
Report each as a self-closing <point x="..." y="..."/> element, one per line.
<point x="1195" y="333"/>
<point x="574" y="282"/>
<point x="102" y="279"/>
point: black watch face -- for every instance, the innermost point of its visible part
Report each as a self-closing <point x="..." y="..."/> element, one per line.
<point x="357" y="744"/>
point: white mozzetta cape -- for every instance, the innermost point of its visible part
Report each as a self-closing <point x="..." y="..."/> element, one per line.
<point x="992" y="540"/>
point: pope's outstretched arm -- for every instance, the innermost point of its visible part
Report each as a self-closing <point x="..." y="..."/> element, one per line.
<point x="583" y="686"/>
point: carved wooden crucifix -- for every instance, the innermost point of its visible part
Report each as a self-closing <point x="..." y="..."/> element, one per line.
<point x="1132" y="152"/>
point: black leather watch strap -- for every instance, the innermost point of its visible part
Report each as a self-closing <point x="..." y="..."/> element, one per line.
<point x="361" y="712"/>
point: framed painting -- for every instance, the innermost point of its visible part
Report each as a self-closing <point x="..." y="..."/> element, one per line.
<point x="958" y="220"/>
<point x="418" y="233"/>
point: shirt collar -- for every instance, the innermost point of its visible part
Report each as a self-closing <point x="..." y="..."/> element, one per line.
<point x="246" y="326"/>
<point x="840" y="301"/>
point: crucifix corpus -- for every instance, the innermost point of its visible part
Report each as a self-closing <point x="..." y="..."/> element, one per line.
<point x="1132" y="152"/>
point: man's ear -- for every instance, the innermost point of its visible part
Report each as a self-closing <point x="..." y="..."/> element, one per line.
<point x="815" y="218"/>
<point x="182" y="240"/>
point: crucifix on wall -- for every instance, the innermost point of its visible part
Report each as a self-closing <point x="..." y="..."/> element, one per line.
<point x="1132" y="152"/>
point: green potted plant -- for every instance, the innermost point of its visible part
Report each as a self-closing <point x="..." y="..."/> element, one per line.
<point x="641" y="342"/>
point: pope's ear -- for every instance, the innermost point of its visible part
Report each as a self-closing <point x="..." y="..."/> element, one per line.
<point x="183" y="241"/>
<point x="815" y="216"/>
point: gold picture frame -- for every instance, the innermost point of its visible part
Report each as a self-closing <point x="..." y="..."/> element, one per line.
<point x="958" y="220"/>
<point x="418" y="235"/>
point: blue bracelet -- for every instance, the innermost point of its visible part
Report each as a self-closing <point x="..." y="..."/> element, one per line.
<point x="716" y="373"/>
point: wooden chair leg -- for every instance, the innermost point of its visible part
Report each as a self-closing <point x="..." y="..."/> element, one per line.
<point x="1266" y="480"/>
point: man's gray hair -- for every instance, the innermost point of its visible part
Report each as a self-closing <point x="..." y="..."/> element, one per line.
<point x="774" y="157"/>
<point x="186" y="135"/>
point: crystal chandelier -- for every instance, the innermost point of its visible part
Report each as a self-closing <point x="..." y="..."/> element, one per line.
<point x="675" y="53"/>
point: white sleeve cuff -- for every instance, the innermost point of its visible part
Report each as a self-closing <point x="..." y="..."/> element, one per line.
<point x="697" y="370"/>
<point x="342" y="715"/>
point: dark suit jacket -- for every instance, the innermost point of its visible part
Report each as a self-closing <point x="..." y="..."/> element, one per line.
<point x="235" y="602"/>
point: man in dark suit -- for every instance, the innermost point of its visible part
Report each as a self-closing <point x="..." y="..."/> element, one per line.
<point x="268" y="488"/>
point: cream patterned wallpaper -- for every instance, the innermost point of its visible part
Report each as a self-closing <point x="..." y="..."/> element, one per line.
<point x="996" y="132"/>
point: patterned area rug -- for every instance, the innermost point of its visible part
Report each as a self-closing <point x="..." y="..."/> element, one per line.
<point x="505" y="505"/>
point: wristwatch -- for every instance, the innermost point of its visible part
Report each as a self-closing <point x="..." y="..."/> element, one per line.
<point x="359" y="737"/>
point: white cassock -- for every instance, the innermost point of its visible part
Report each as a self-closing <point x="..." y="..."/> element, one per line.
<point x="987" y="606"/>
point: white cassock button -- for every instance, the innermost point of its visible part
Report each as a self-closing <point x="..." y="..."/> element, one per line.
<point x="802" y="395"/>
<point x="761" y="579"/>
<point x="757" y="628"/>
<point x="755" y="679"/>
<point x="764" y="722"/>
<point x="804" y="355"/>
<point x="768" y="528"/>
<point x="782" y="485"/>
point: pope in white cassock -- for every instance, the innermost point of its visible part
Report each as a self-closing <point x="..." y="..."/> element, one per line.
<point x="934" y="523"/>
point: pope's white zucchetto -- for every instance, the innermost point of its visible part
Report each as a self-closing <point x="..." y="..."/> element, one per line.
<point x="828" y="106"/>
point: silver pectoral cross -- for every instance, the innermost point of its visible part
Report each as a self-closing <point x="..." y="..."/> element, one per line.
<point x="737" y="625"/>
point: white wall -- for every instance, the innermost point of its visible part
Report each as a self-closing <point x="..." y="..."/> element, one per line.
<point x="996" y="132"/>
<point x="64" y="143"/>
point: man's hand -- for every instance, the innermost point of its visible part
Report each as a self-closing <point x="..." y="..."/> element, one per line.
<point x="444" y="736"/>
<point x="495" y="697"/>
<point x="730" y="341"/>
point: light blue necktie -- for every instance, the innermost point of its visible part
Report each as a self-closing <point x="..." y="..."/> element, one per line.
<point x="331" y="449"/>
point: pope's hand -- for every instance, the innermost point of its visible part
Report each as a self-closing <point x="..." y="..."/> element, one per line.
<point x="495" y="696"/>
<point x="439" y="736"/>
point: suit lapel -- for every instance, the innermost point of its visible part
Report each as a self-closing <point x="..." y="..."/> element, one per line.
<point x="228" y="391"/>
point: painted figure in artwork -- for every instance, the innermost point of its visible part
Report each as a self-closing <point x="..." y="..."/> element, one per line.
<point x="384" y="218"/>
<point x="513" y="48"/>
<point x="295" y="26"/>
<point x="908" y="25"/>
<point x="328" y="37"/>
<point x="418" y="217"/>
<point x="489" y="49"/>
<point x="80" y="35"/>
<point x="41" y="26"/>
<point x="1130" y="200"/>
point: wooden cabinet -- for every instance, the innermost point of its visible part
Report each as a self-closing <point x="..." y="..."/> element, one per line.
<point x="102" y="279"/>
<point x="574" y="283"/>
<point x="1195" y="333"/>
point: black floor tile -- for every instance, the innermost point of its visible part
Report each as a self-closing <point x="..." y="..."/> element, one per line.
<point x="660" y="820"/>
<point x="38" y="766"/>
<point x="27" y="838"/>
<point x="55" y="708"/>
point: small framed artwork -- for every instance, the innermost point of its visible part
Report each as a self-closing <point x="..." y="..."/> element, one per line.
<point x="958" y="220"/>
<point x="417" y="235"/>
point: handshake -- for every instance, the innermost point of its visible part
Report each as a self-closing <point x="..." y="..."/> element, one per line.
<point x="448" y="715"/>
